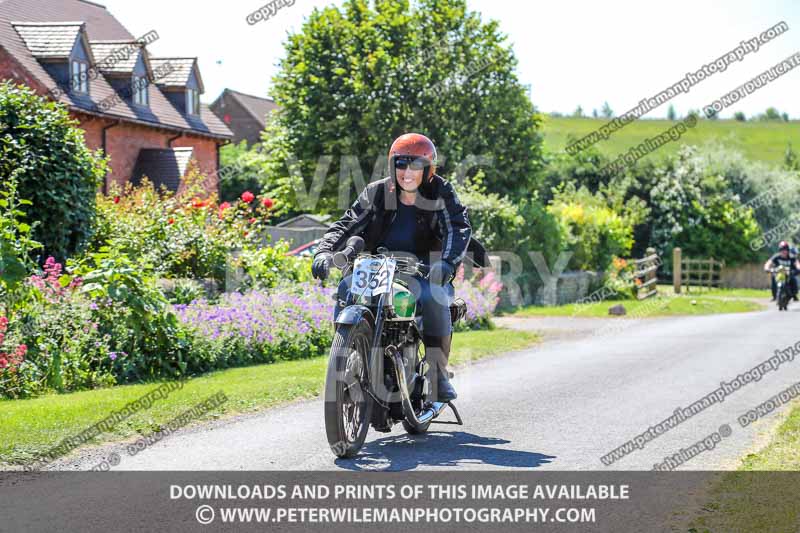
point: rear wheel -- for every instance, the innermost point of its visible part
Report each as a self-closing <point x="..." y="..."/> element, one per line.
<point x="348" y="406"/>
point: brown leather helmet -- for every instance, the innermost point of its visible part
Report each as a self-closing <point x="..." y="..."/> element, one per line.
<point x="415" y="146"/>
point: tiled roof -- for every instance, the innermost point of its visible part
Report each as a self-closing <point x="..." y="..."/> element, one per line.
<point x="115" y="57"/>
<point x="257" y="106"/>
<point x="181" y="69"/>
<point x="51" y="40"/>
<point x="100" y="25"/>
<point x="162" y="166"/>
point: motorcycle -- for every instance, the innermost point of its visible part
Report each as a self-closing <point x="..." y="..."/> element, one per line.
<point x="376" y="374"/>
<point x="783" y="289"/>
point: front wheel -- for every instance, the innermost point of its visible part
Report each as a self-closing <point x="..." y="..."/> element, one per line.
<point x="783" y="299"/>
<point x="348" y="406"/>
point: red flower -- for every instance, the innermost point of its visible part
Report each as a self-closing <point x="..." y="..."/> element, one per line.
<point x="245" y="233"/>
<point x="252" y="221"/>
<point x="224" y="205"/>
<point x="171" y="220"/>
<point x="198" y="203"/>
<point x="116" y="199"/>
<point x="247" y="197"/>
<point x="268" y="203"/>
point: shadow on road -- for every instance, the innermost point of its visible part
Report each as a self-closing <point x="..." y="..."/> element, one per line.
<point x="447" y="449"/>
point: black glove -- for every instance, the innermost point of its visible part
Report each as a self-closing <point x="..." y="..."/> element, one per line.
<point x="321" y="266"/>
<point x="441" y="272"/>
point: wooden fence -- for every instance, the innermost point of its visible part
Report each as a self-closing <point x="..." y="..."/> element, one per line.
<point x="645" y="274"/>
<point x="695" y="272"/>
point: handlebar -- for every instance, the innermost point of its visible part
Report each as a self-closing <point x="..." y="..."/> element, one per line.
<point x="404" y="264"/>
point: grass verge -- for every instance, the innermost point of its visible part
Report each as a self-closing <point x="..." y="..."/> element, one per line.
<point x="29" y="427"/>
<point x="661" y="305"/>
<point x="760" y="496"/>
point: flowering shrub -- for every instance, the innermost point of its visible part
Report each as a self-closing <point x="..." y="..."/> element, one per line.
<point x="592" y="227"/>
<point x="12" y="356"/>
<point x="290" y="322"/>
<point x="481" y="294"/>
<point x="16" y="249"/>
<point x="620" y="279"/>
<point x="180" y="235"/>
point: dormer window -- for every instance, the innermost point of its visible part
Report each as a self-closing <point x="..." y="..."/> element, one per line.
<point x="140" y="94"/>
<point x="79" y="76"/>
<point x="192" y="102"/>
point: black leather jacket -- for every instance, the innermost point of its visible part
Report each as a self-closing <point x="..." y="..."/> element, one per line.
<point x="442" y="222"/>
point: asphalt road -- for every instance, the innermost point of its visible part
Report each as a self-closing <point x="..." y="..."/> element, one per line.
<point x="559" y="406"/>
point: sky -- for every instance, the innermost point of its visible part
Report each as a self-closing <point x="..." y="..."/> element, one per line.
<point x="570" y="52"/>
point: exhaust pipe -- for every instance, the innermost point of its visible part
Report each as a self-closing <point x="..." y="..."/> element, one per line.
<point x="408" y="410"/>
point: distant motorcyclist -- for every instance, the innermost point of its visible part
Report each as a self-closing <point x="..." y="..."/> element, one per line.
<point x="784" y="257"/>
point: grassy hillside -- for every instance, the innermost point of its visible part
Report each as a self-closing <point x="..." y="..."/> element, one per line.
<point x="758" y="141"/>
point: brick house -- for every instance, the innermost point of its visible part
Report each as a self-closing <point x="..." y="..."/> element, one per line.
<point x="244" y="114"/>
<point x="143" y="112"/>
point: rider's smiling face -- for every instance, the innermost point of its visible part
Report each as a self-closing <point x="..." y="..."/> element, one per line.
<point x="409" y="179"/>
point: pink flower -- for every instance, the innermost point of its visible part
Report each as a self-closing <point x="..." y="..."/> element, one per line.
<point x="247" y="197"/>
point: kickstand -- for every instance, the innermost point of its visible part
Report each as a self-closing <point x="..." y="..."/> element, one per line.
<point x="455" y="412"/>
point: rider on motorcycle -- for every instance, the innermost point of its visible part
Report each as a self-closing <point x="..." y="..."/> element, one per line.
<point x="784" y="257"/>
<point x="412" y="212"/>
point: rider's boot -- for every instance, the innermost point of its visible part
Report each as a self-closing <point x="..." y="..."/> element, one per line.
<point x="437" y="352"/>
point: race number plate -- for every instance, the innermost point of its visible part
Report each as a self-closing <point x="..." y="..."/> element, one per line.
<point x="371" y="276"/>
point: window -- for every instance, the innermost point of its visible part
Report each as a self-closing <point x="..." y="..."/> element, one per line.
<point x="192" y="102"/>
<point x="79" y="73"/>
<point x="139" y="88"/>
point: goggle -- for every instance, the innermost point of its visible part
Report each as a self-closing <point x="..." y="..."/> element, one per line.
<point x="402" y="162"/>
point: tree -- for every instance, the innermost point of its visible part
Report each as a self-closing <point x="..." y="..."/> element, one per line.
<point x="671" y="114"/>
<point x="694" y="208"/>
<point x="785" y="117"/>
<point x="594" y="113"/>
<point x="578" y="113"/>
<point x="42" y="149"/>
<point x="607" y="111"/>
<point x="355" y="77"/>
<point x="770" y="114"/>
<point x="740" y="116"/>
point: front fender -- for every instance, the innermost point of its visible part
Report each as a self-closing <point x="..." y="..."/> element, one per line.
<point x="352" y="314"/>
